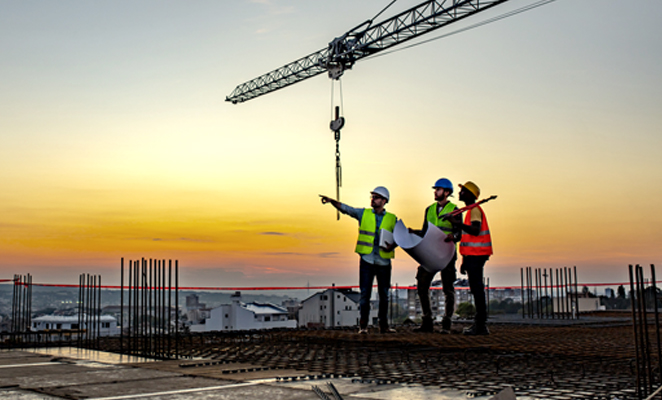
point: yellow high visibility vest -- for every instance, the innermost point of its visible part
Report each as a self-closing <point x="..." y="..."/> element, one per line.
<point x="368" y="231"/>
<point x="433" y="217"/>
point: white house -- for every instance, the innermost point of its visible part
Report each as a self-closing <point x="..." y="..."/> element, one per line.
<point x="243" y="316"/>
<point x="333" y="307"/>
<point x="107" y="324"/>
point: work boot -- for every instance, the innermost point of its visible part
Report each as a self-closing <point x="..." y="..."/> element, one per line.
<point x="446" y="326"/>
<point x="386" y="329"/>
<point x="476" y="330"/>
<point x="426" y="326"/>
<point x="363" y="328"/>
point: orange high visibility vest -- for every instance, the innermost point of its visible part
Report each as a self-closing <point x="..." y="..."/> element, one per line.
<point x="480" y="245"/>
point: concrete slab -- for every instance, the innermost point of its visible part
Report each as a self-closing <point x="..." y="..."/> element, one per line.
<point x="237" y="372"/>
<point x="352" y="389"/>
<point x="240" y="391"/>
<point x="71" y="374"/>
<point x="131" y="387"/>
<point x="22" y="358"/>
<point x="23" y="395"/>
<point x="344" y="386"/>
<point x="89" y="355"/>
<point x="89" y="379"/>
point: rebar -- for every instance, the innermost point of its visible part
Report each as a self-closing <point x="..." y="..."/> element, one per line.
<point x="149" y="330"/>
<point x="647" y="376"/>
<point x="538" y="293"/>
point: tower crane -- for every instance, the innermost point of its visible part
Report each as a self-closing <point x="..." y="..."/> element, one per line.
<point x="364" y="40"/>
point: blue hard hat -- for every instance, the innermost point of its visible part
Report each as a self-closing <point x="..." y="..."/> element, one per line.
<point x="444" y="184"/>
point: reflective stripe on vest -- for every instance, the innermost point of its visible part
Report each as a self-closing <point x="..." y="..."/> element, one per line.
<point x="478" y="245"/>
<point x="368" y="231"/>
<point x="433" y="217"/>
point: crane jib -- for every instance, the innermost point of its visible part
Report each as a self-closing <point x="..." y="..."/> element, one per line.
<point x="360" y="42"/>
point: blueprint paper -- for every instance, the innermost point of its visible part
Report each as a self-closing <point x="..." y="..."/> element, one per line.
<point x="431" y="251"/>
<point x="385" y="238"/>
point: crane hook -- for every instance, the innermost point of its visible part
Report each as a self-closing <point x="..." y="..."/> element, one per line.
<point x="336" y="125"/>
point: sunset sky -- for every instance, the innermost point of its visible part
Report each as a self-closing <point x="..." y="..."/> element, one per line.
<point x="116" y="141"/>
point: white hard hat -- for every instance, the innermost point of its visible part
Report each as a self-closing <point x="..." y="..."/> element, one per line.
<point x="382" y="191"/>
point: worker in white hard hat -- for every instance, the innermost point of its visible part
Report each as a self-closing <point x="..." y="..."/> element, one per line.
<point x="375" y="261"/>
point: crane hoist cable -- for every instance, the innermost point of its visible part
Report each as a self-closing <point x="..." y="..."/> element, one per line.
<point x="336" y="125"/>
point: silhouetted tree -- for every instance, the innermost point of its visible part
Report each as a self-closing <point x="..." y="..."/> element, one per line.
<point x="466" y="310"/>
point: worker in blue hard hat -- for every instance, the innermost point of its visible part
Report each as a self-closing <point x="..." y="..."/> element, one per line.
<point x="375" y="261"/>
<point x="443" y="189"/>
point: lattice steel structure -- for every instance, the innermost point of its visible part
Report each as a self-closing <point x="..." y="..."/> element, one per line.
<point x="362" y="41"/>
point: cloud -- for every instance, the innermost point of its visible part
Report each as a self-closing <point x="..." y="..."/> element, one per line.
<point x="329" y="254"/>
<point x="273" y="233"/>
<point x="183" y="239"/>
<point x="283" y="253"/>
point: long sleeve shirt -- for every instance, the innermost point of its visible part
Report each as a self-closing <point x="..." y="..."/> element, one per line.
<point x="374" y="257"/>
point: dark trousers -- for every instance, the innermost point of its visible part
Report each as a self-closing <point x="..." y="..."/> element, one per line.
<point x="474" y="266"/>
<point x="424" y="279"/>
<point x="367" y="274"/>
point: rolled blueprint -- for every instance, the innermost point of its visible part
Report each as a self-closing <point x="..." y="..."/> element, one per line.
<point x="431" y="251"/>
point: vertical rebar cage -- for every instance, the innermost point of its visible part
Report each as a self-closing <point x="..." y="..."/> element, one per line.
<point x="147" y="325"/>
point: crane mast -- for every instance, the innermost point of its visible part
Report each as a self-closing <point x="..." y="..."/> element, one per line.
<point x="362" y="41"/>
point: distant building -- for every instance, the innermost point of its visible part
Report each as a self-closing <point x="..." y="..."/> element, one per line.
<point x="193" y="302"/>
<point x="244" y="316"/>
<point x="333" y="307"/>
<point x="293" y="306"/>
<point x="502" y="294"/>
<point x="436" y="302"/>
<point x="196" y="312"/>
<point x="107" y="324"/>
<point x="118" y="312"/>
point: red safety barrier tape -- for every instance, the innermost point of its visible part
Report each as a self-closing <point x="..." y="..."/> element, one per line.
<point x="260" y="288"/>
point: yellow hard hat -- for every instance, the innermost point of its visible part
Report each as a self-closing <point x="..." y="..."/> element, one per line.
<point x="472" y="187"/>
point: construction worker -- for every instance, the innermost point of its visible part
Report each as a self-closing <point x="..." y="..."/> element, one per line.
<point x="443" y="189"/>
<point x="476" y="249"/>
<point x="375" y="261"/>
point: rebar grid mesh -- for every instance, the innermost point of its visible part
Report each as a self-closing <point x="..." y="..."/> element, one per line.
<point x="570" y="362"/>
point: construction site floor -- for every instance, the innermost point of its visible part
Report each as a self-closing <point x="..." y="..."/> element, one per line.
<point x="38" y="374"/>
<point x="590" y="359"/>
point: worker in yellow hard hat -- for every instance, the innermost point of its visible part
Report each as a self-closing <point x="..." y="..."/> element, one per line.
<point x="476" y="249"/>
